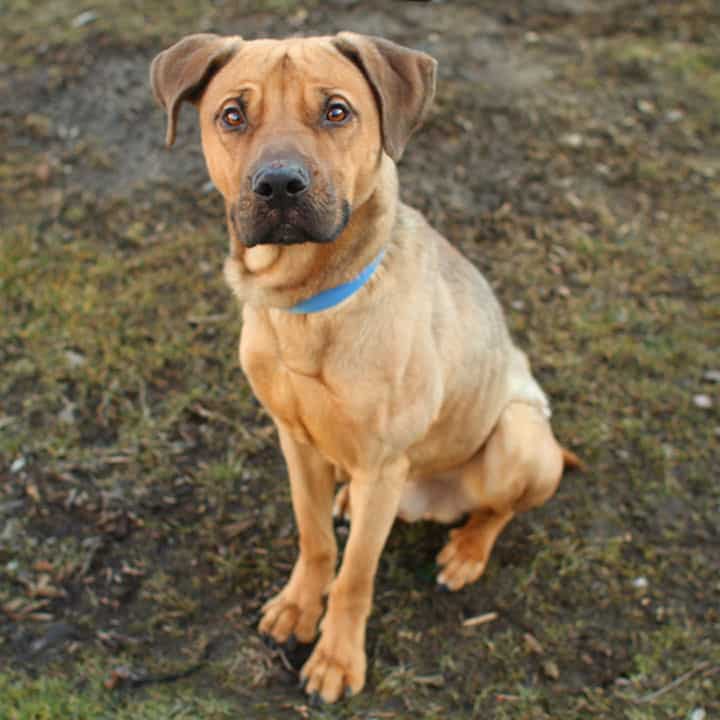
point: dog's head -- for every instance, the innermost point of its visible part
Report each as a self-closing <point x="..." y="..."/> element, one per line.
<point x="294" y="131"/>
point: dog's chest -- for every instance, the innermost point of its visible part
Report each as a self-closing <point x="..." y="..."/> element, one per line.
<point x="286" y="374"/>
<point x="308" y="409"/>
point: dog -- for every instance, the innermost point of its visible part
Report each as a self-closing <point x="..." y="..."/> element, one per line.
<point x="381" y="352"/>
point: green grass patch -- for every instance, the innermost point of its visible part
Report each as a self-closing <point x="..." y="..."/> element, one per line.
<point x="55" y="697"/>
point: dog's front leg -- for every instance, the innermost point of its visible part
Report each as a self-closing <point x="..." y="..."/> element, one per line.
<point x="338" y="662"/>
<point x="296" y="610"/>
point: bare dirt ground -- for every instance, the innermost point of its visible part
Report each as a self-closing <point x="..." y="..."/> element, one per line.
<point x="573" y="154"/>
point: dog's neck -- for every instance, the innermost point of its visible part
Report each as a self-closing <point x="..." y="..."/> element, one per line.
<point x="275" y="276"/>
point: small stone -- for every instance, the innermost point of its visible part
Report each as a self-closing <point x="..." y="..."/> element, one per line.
<point x="84" y="18"/>
<point x="18" y="465"/>
<point x="702" y="401"/>
<point x="74" y="359"/>
<point x="645" y="107"/>
<point x="574" y="140"/>
<point x="67" y="132"/>
<point x="712" y="376"/>
<point x="698" y="714"/>
<point x="67" y="414"/>
<point x="551" y="670"/>
<point x="673" y="116"/>
<point x="640" y="583"/>
<point x="465" y="123"/>
<point x="602" y="169"/>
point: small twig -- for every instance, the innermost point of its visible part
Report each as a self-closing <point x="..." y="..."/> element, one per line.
<point x="480" y="619"/>
<point x="651" y="697"/>
<point x="125" y="676"/>
<point x="437" y="681"/>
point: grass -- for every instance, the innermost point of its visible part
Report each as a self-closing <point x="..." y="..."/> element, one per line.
<point x="68" y="24"/>
<point x="52" y="697"/>
<point x="144" y="511"/>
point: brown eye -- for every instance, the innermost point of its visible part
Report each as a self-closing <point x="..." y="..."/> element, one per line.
<point x="232" y="117"/>
<point x="337" y="112"/>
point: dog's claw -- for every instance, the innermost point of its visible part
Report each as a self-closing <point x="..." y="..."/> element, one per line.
<point x="316" y="700"/>
<point x="442" y="587"/>
<point x="348" y="693"/>
<point x="291" y="643"/>
<point x="302" y="682"/>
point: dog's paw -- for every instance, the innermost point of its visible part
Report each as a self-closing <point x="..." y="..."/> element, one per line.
<point x="341" y="506"/>
<point x="285" y="620"/>
<point x="335" y="670"/>
<point x="463" y="559"/>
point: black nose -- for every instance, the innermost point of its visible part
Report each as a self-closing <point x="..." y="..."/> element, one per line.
<point x="280" y="185"/>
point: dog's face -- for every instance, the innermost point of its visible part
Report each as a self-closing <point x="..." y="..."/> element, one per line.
<point x="293" y="131"/>
<point x="291" y="134"/>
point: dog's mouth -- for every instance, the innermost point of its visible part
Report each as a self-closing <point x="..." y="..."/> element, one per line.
<point x="288" y="227"/>
<point x="283" y="233"/>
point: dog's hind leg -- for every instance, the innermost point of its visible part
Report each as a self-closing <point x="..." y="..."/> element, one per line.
<point x="518" y="468"/>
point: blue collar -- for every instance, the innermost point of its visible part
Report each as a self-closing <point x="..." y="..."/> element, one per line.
<point x="334" y="296"/>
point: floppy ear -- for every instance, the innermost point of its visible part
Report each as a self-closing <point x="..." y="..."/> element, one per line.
<point x="183" y="71"/>
<point x="402" y="80"/>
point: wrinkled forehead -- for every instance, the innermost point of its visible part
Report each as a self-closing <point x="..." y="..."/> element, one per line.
<point x="286" y="67"/>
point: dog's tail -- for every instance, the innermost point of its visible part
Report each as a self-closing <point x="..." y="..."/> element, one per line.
<point x="571" y="461"/>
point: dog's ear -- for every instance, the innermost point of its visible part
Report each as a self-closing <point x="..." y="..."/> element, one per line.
<point x="402" y="80"/>
<point x="183" y="71"/>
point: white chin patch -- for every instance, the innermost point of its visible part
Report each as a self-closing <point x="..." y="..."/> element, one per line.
<point x="260" y="257"/>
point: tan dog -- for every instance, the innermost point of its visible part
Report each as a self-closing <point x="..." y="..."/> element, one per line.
<point x="410" y="388"/>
